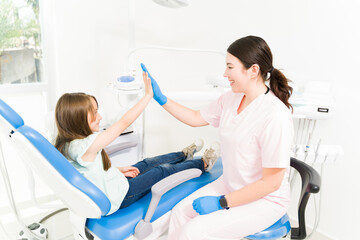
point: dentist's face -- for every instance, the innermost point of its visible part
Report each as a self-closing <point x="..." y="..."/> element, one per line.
<point x="94" y="118"/>
<point x="236" y="73"/>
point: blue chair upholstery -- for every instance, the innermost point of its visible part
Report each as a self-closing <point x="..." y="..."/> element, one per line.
<point x="278" y="230"/>
<point x="121" y="224"/>
<point x="10" y="115"/>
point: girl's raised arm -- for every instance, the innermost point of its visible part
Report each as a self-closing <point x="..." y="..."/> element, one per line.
<point x="111" y="133"/>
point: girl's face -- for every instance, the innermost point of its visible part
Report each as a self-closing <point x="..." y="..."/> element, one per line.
<point x="235" y="72"/>
<point x="94" y="119"/>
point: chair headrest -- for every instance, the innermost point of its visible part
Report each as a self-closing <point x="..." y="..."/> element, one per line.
<point x="10" y="115"/>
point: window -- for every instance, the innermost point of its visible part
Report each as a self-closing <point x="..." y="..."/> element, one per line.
<point x="22" y="84"/>
<point x="20" y="48"/>
<point x="24" y="88"/>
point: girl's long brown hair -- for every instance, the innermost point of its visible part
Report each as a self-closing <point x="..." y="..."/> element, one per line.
<point x="71" y="115"/>
<point x="254" y="50"/>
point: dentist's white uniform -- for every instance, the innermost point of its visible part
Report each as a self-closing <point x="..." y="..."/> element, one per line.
<point x="259" y="137"/>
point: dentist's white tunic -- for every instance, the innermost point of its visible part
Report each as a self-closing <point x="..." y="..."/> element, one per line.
<point x="259" y="137"/>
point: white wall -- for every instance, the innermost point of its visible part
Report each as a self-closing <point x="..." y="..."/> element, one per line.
<point x="310" y="40"/>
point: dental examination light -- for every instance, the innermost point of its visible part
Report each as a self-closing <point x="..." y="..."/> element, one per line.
<point x="172" y="3"/>
<point x="127" y="84"/>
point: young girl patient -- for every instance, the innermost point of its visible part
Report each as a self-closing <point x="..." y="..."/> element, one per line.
<point x="80" y="141"/>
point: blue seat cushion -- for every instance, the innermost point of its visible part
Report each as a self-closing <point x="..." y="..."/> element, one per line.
<point x="121" y="224"/>
<point x="278" y="230"/>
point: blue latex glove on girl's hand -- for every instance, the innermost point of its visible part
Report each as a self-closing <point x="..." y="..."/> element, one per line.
<point x="158" y="95"/>
<point x="207" y="204"/>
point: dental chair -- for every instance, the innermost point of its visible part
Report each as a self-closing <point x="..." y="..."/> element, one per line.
<point x="147" y="218"/>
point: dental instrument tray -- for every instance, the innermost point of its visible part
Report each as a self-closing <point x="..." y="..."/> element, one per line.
<point x="316" y="102"/>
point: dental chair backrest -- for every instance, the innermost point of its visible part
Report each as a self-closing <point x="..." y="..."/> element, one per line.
<point x="79" y="194"/>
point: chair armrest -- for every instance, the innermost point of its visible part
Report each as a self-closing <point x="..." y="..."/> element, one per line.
<point x="310" y="183"/>
<point x="144" y="227"/>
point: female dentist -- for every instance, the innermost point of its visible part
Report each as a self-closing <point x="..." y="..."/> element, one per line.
<point x="256" y="132"/>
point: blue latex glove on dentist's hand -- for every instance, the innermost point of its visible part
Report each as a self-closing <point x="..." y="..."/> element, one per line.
<point x="158" y="95"/>
<point x="207" y="204"/>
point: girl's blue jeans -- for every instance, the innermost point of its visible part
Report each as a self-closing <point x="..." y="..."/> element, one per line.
<point x="154" y="169"/>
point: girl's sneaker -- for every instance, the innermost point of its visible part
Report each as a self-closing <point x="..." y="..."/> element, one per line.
<point x="195" y="147"/>
<point x="211" y="155"/>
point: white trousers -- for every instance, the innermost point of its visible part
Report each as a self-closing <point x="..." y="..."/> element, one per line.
<point x="235" y="223"/>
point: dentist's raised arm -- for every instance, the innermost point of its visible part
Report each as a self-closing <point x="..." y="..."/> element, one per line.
<point x="186" y="115"/>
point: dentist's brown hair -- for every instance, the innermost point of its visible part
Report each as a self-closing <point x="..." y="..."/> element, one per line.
<point x="252" y="50"/>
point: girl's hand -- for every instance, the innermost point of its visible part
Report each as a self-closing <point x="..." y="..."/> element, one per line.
<point x="148" y="87"/>
<point x="129" y="171"/>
